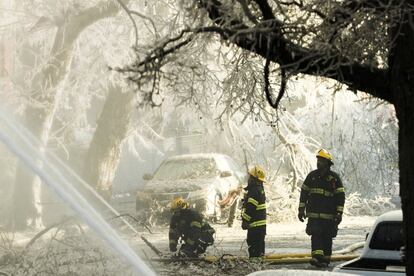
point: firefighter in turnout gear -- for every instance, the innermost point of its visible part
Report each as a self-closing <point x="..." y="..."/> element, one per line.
<point x="189" y="226"/>
<point x="322" y="199"/>
<point x="254" y="212"/>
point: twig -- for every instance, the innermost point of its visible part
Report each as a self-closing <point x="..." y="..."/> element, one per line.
<point x="128" y="11"/>
<point x="135" y="219"/>
<point x="147" y="18"/>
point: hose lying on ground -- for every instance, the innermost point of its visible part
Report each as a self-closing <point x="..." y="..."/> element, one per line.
<point x="285" y="260"/>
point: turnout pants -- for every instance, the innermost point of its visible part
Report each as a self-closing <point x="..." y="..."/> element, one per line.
<point x="321" y="247"/>
<point x="256" y="241"/>
<point x="322" y="232"/>
<point x="190" y="250"/>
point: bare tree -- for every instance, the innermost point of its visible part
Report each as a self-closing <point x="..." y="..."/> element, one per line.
<point x="365" y="45"/>
<point x="45" y="94"/>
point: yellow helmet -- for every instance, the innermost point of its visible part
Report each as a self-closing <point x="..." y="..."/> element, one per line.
<point x="324" y="154"/>
<point x="258" y="173"/>
<point x="179" y="203"/>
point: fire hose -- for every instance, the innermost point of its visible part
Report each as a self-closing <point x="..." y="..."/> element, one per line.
<point x="284" y="258"/>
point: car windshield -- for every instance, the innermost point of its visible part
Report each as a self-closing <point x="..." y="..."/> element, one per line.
<point x="187" y="169"/>
<point x="387" y="236"/>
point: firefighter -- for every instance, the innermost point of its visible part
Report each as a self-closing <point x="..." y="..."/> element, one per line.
<point x="322" y="199"/>
<point x="254" y="213"/>
<point x="189" y="226"/>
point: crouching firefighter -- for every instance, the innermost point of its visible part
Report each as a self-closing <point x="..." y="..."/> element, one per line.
<point x="189" y="226"/>
<point x="254" y="213"/>
<point x="322" y="199"/>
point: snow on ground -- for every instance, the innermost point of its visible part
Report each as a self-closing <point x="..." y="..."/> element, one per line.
<point x="281" y="238"/>
<point x="79" y="251"/>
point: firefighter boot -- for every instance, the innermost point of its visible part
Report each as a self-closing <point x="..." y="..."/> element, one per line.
<point x="188" y="251"/>
<point x="318" y="261"/>
<point x="326" y="260"/>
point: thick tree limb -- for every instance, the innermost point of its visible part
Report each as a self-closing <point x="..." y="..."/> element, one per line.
<point x="282" y="88"/>
<point x="265" y="9"/>
<point x="297" y="59"/>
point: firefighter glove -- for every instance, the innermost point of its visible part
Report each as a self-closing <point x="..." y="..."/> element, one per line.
<point x="338" y="218"/>
<point x="301" y="216"/>
<point x="173" y="247"/>
<point x="245" y="225"/>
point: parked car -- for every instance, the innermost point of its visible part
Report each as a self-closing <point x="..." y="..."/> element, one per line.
<point x="382" y="250"/>
<point x="210" y="182"/>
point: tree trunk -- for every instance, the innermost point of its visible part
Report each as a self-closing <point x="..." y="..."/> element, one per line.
<point x="26" y="182"/>
<point x="39" y="115"/>
<point x="105" y="149"/>
<point x="38" y="119"/>
<point x="406" y="161"/>
<point x="402" y="86"/>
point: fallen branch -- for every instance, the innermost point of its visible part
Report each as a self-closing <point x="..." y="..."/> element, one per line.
<point x="150" y="245"/>
<point x="44" y="231"/>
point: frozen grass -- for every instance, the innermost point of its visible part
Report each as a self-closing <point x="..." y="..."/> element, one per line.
<point x="65" y="250"/>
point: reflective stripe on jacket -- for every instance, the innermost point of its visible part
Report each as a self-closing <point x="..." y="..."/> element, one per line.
<point x="322" y="196"/>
